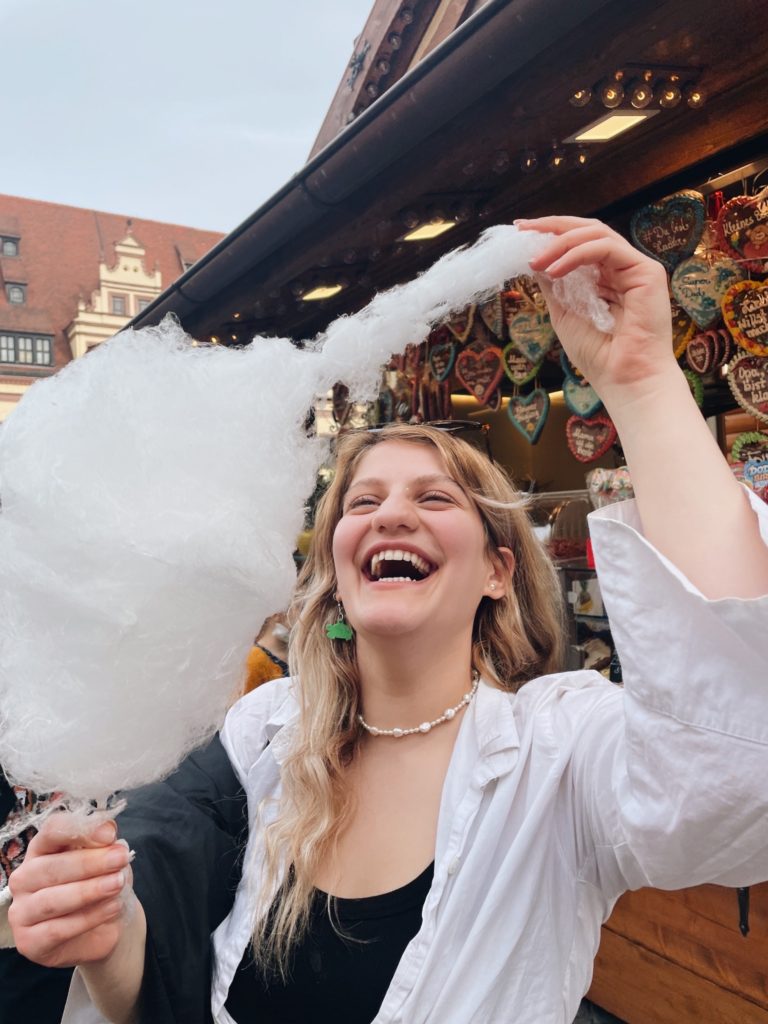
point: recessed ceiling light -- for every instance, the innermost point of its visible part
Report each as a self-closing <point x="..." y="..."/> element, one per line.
<point x="322" y="291"/>
<point x="610" y="125"/>
<point x="431" y="230"/>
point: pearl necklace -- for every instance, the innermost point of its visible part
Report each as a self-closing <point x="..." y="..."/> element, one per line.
<point x="425" y="727"/>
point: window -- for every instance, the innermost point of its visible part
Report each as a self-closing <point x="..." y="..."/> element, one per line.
<point x="118" y="305"/>
<point x="17" y="293"/>
<point x="9" y="246"/>
<point x="26" y="349"/>
<point x="141" y="304"/>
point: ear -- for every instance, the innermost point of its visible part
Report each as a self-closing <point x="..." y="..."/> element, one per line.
<point x="502" y="570"/>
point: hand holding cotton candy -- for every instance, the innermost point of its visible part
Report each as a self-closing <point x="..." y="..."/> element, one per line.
<point x="151" y="497"/>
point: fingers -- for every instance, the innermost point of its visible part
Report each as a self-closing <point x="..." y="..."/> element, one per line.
<point x="62" y="831"/>
<point x="67" y="866"/>
<point x="68" y="899"/>
<point x="556" y="225"/>
<point x="46" y="942"/>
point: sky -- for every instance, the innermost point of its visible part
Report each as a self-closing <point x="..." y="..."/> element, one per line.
<point x="176" y="110"/>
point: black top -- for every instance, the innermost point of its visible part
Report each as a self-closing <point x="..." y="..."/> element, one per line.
<point x="335" y="979"/>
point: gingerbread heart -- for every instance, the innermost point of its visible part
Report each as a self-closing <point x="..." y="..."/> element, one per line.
<point x="528" y="413"/>
<point x="460" y="324"/>
<point x="696" y="385"/>
<point x="699" y="284"/>
<point x="701" y="352"/>
<point x="580" y="397"/>
<point x="683" y="329"/>
<point x="519" y="369"/>
<point x="748" y="381"/>
<point x="752" y="444"/>
<point x="745" y="311"/>
<point x="569" y="369"/>
<point x="670" y="229"/>
<point x="531" y="333"/>
<point x="756" y="476"/>
<point x="492" y="314"/>
<point x="742" y="228"/>
<point x="480" y="370"/>
<point x="494" y="400"/>
<point x="591" y="438"/>
<point x="441" y="359"/>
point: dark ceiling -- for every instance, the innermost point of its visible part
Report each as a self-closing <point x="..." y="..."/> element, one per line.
<point x="468" y="153"/>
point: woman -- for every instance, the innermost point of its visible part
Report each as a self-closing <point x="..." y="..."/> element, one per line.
<point x="430" y="763"/>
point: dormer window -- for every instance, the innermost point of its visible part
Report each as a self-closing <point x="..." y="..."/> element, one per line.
<point x="16" y="294"/>
<point x="9" y="246"/>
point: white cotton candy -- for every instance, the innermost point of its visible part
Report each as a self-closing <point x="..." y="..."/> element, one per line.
<point x="151" y="497"/>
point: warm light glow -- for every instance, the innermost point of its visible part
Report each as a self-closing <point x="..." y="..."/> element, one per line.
<point x="236" y="316"/>
<point x="323" y="291"/>
<point x="610" y="125"/>
<point x="431" y="230"/>
<point x="214" y="340"/>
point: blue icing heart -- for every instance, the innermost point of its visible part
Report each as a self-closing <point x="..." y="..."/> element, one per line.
<point x="531" y="334"/>
<point x="699" y="285"/>
<point x="670" y="229"/>
<point x="581" y="399"/>
<point x="528" y="413"/>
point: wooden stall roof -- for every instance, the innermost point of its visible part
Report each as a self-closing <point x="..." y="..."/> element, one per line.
<point x="449" y="134"/>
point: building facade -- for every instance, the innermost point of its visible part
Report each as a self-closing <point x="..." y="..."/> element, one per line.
<point x="70" y="278"/>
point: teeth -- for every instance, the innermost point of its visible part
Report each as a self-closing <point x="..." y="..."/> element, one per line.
<point x="397" y="555"/>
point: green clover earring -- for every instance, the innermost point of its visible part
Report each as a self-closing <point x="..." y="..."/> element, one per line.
<point x="341" y="629"/>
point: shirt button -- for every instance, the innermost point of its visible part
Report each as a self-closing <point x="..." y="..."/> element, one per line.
<point x="453" y="867"/>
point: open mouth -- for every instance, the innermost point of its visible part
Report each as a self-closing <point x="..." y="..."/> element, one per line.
<point x="398" y="567"/>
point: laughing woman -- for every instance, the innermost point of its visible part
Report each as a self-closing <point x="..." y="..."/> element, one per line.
<point x="440" y="820"/>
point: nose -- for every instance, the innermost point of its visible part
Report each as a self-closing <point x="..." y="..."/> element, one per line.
<point x="395" y="512"/>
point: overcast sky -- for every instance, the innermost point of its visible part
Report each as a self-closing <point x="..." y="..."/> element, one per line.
<point x="174" y="110"/>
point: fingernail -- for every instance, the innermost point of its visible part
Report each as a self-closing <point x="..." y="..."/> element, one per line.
<point x="122" y="842"/>
<point x="105" y="833"/>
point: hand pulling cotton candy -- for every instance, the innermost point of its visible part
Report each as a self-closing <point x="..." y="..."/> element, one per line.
<point x="151" y="497"/>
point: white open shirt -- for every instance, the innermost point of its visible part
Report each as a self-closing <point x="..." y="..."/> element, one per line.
<point x="560" y="797"/>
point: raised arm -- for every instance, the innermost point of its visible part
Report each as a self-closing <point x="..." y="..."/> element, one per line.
<point x="692" y="509"/>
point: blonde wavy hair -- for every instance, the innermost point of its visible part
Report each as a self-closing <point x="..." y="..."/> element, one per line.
<point x="515" y="638"/>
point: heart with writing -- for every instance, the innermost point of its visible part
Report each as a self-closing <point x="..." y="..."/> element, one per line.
<point x="696" y="384"/>
<point x="756" y="476"/>
<point x="580" y="397"/>
<point x="700" y="283"/>
<point x="742" y="228"/>
<point x="670" y="229"/>
<point x="492" y="314"/>
<point x="589" y="439"/>
<point x="748" y="381"/>
<point x="519" y="369"/>
<point x="460" y="324"/>
<point x="441" y="359"/>
<point x="683" y="329"/>
<point x="701" y="351"/>
<point x="480" y="370"/>
<point x="752" y="444"/>
<point x="528" y="413"/>
<point x="745" y="311"/>
<point x="531" y="333"/>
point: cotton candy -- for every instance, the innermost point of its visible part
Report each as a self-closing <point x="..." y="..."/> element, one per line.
<point x="151" y="497"/>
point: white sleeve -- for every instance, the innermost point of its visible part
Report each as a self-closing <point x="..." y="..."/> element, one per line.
<point x="675" y="788"/>
<point x="6" y="935"/>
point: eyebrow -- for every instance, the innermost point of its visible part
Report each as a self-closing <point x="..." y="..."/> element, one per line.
<point x="428" y="478"/>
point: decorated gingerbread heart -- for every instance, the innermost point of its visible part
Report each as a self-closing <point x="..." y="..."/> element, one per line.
<point x="580" y="397"/>
<point x="480" y="370"/>
<point x="494" y="400"/>
<point x="441" y="359"/>
<point x="569" y="369"/>
<point x="699" y="284"/>
<point x="742" y="228"/>
<point x="519" y="369"/>
<point x="683" y="329"/>
<point x="701" y="352"/>
<point x="745" y="311"/>
<point x="460" y="324"/>
<point x="588" y="439"/>
<point x="531" y="333"/>
<point x="748" y="381"/>
<point x="696" y="385"/>
<point x="492" y="314"/>
<point x="528" y="413"/>
<point x="670" y="229"/>
<point x="752" y="444"/>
